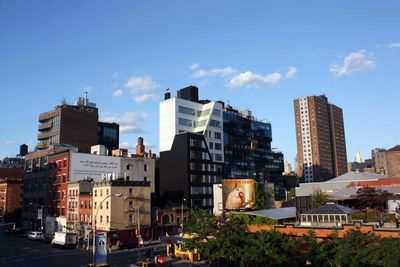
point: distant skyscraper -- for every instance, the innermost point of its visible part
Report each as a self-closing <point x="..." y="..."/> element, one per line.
<point x="287" y="167"/>
<point x="358" y="157"/>
<point x="321" y="144"/>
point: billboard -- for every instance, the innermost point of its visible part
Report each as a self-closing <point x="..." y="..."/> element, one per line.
<point x="238" y="194"/>
<point x="92" y="166"/>
<point x="101" y="248"/>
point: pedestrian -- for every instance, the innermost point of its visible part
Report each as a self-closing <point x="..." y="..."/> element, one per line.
<point x="109" y="247"/>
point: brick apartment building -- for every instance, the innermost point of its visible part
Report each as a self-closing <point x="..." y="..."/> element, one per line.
<point x="10" y="198"/>
<point x="321" y="144"/>
<point x="79" y="212"/>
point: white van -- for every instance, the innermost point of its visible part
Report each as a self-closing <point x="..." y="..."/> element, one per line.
<point x="35" y="235"/>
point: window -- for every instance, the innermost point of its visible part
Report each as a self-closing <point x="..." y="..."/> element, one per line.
<point x="217" y="135"/>
<point x="128" y="167"/>
<point x="215" y="123"/>
<point x="218" y="146"/>
<point x="101" y="192"/>
<point x="106" y="192"/>
<point x="64" y="163"/>
<point x="217" y="112"/>
<point x="203" y="113"/>
<point x="201" y="123"/>
<point x="145" y="167"/>
<point x="82" y="204"/>
<point x="211" y="144"/>
<point x="107" y="219"/>
<point x="95" y="193"/>
<point x="185" y="122"/>
<point x="101" y="218"/>
<point x="107" y="205"/>
<point x="95" y="205"/>
<point x="130" y="191"/>
<point x="186" y="110"/>
<point x="218" y="157"/>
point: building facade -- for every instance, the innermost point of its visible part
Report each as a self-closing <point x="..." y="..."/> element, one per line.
<point x="186" y="113"/>
<point x="320" y="137"/>
<point x="10" y="198"/>
<point x="79" y="212"/>
<point x="187" y="173"/>
<point x="108" y="135"/>
<point x="75" y="125"/>
<point x="378" y="156"/>
<point x="247" y="147"/>
<point x="393" y="161"/>
<point x="128" y="211"/>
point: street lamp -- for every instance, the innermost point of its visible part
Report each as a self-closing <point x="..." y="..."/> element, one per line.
<point x="183" y="200"/>
<point x="94" y="225"/>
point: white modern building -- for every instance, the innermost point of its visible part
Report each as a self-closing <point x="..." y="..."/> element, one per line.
<point x="186" y="113"/>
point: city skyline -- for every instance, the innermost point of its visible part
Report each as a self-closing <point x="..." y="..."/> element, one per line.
<point x="248" y="56"/>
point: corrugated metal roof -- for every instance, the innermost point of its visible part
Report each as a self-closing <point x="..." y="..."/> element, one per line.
<point x="276" y="214"/>
<point x="331" y="209"/>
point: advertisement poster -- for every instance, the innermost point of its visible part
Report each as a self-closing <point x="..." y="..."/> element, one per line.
<point x="238" y="194"/>
<point x="101" y="248"/>
<point x="92" y="166"/>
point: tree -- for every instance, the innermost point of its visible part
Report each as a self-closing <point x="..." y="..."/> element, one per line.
<point x="370" y="197"/>
<point x="318" y="198"/>
<point x="262" y="196"/>
<point x="292" y="193"/>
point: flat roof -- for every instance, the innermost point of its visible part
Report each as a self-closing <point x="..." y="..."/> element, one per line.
<point x="276" y="214"/>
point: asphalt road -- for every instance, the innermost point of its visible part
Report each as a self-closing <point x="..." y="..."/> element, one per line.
<point x="21" y="252"/>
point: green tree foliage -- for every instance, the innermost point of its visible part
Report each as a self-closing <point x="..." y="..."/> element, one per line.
<point x="230" y="243"/>
<point x="292" y="193"/>
<point x="318" y="198"/>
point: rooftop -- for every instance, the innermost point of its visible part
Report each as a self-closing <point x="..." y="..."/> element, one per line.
<point x="275" y="214"/>
<point x="331" y="209"/>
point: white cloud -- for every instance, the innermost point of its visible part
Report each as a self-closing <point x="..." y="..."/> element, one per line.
<point x="115" y="75"/>
<point x="194" y="66"/>
<point x="291" y="72"/>
<point x="145" y="98"/>
<point x="118" y="92"/>
<point x="129" y="122"/>
<point x="250" y="79"/>
<point x="143" y="88"/>
<point x="353" y="62"/>
<point x="220" y="72"/>
<point x="89" y="89"/>
<point x="141" y="84"/>
<point x="127" y="145"/>
<point x="9" y="142"/>
<point x="394" y="45"/>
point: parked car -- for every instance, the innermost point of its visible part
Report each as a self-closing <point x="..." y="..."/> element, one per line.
<point x="35" y="235"/>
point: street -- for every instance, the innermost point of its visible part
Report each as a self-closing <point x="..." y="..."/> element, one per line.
<point x="19" y="251"/>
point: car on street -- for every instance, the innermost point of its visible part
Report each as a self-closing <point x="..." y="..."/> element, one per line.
<point x="35" y="235"/>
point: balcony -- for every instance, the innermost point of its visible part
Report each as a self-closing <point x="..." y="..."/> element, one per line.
<point x="42" y="146"/>
<point x="44" y="126"/>
<point x="47" y="115"/>
<point x="46" y="135"/>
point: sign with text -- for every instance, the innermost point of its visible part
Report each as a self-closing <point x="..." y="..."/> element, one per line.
<point x="92" y="166"/>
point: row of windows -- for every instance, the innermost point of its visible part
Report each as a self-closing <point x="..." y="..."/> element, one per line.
<point x="201" y="190"/>
<point x="198" y="113"/>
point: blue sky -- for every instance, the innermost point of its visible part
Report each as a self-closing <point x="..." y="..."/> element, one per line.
<point x="259" y="55"/>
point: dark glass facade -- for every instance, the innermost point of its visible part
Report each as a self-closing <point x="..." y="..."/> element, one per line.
<point x="247" y="149"/>
<point x="108" y="135"/>
<point x="187" y="171"/>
